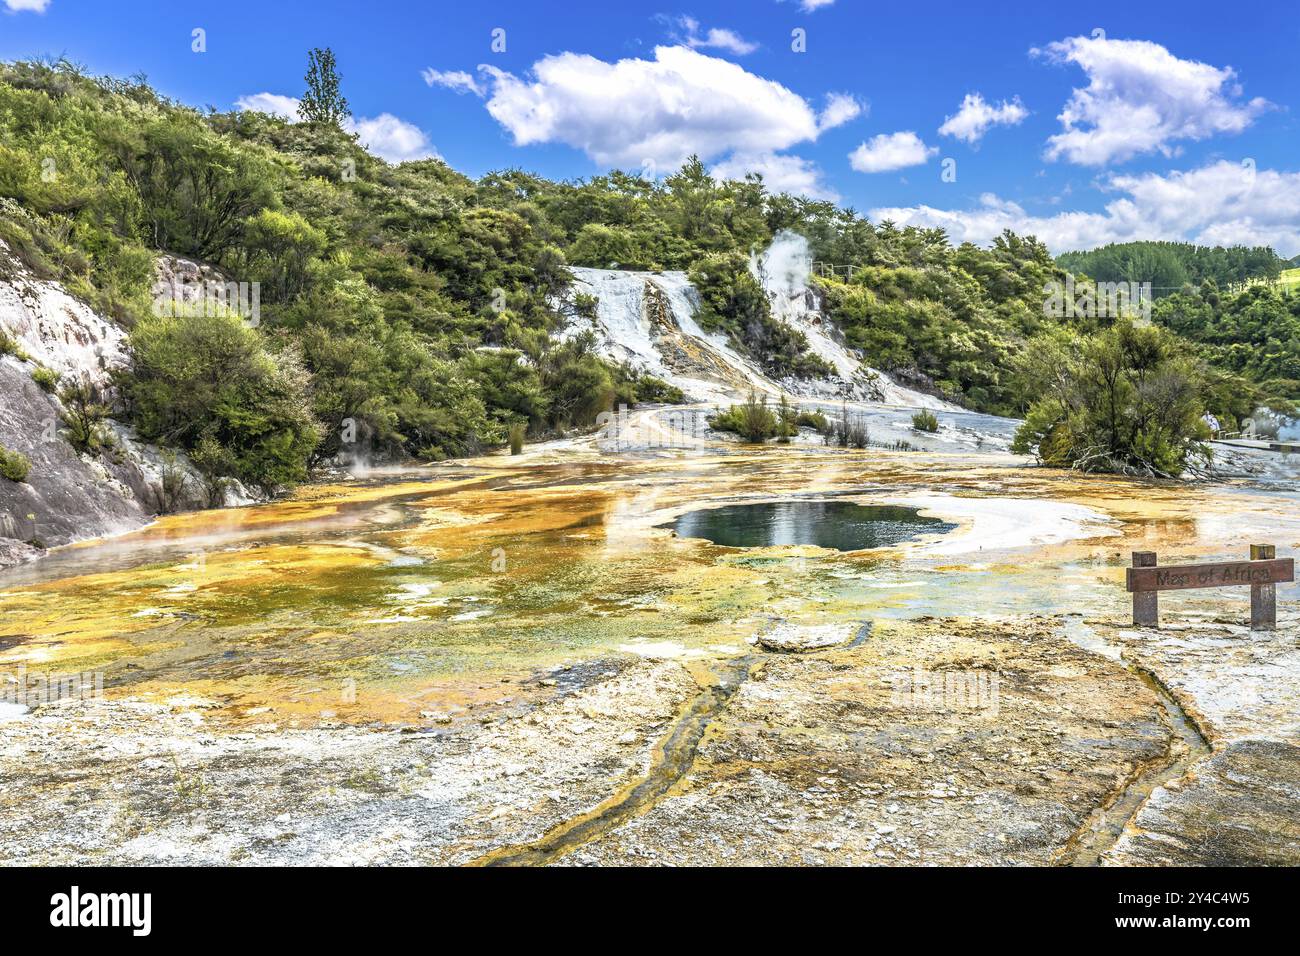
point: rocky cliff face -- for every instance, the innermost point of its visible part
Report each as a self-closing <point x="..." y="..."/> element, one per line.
<point x="69" y="496"/>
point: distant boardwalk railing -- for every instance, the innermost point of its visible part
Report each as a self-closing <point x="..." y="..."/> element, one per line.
<point x="828" y="270"/>
<point x="1262" y="573"/>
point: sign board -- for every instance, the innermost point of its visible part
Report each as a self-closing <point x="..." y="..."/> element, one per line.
<point x="1177" y="577"/>
<point x="1261" y="574"/>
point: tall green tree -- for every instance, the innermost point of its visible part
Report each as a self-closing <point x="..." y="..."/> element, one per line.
<point x="323" y="103"/>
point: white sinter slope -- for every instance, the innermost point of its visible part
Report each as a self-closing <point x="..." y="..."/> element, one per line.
<point x="648" y="319"/>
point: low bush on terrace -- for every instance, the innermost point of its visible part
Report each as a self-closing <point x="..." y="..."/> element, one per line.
<point x="14" y="466"/>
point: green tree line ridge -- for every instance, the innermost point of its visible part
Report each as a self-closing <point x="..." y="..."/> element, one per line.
<point x="1170" y="266"/>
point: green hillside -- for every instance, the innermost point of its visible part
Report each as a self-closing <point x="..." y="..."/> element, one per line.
<point x="421" y="304"/>
<point x="1169" y="266"/>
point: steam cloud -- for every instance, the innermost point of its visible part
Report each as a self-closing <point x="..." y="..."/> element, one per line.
<point x="784" y="267"/>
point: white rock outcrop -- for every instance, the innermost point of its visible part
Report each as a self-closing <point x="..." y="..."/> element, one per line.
<point x="69" y="497"/>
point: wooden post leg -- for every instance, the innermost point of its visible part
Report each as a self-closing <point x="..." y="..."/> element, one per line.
<point x="1263" y="597"/>
<point x="1146" y="604"/>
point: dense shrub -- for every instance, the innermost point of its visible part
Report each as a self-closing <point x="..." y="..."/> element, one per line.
<point x="212" y="379"/>
<point x="14" y="465"/>
<point x="46" y="378"/>
<point x="610" y="247"/>
<point x="517" y="432"/>
<point x="925" y="421"/>
<point x="1127" y="399"/>
<point x="813" y="419"/>
<point x="635" y="387"/>
<point x="83" y="416"/>
<point x="753" y="421"/>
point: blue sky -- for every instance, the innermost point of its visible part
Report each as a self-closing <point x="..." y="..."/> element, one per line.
<point x="1179" y="120"/>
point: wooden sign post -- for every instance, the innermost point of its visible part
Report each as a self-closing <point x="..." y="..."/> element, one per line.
<point x="1263" y="597"/>
<point x="1146" y="579"/>
<point x="1146" y="604"/>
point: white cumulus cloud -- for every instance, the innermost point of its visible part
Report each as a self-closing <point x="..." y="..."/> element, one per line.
<point x="975" y="116"/>
<point x="457" y="80"/>
<point x="890" y="151"/>
<point x="718" y="38"/>
<point x="840" y="109"/>
<point x="276" y="104"/>
<point x="1140" y="98"/>
<point x="33" y="6"/>
<point x="385" y="135"/>
<point x="1222" y="203"/>
<point x="391" y="138"/>
<point x="635" y="112"/>
<point x="781" y="174"/>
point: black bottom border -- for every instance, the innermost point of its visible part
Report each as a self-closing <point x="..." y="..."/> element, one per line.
<point x="215" y="905"/>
